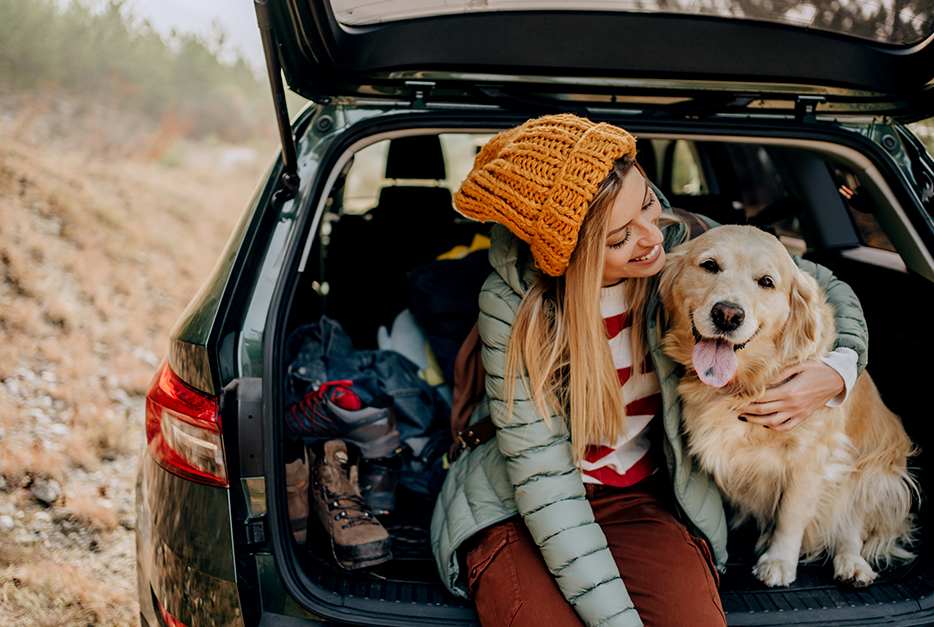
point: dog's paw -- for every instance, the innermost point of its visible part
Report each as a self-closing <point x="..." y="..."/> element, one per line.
<point x="853" y="570"/>
<point x="774" y="571"/>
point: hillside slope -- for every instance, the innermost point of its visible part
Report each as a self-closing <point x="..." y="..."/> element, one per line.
<point x="102" y="244"/>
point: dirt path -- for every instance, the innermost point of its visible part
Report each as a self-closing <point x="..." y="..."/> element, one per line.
<point x="99" y="254"/>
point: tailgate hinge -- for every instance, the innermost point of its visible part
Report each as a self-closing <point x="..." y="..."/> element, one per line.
<point x="253" y="532"/>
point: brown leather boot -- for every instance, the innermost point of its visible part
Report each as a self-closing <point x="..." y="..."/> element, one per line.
<point x="296" y="489"/>
<point x="358" y="540"/>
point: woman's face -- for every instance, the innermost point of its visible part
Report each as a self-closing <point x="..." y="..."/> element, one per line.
<point x="633" y="241"/>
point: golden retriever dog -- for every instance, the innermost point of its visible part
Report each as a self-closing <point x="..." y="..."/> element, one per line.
<point x="738" y="310"/>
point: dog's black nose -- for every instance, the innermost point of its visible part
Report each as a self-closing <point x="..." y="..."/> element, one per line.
<point x="727" y="316"/>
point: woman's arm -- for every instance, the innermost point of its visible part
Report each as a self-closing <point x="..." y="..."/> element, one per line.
<point x="803" y="388"/>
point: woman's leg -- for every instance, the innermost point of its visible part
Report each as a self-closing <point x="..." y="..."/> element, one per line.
<point x="510" y="583"/>
<point x="670" y="575"/>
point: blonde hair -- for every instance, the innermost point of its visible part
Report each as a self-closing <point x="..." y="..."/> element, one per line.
<point x="560" y="337"/>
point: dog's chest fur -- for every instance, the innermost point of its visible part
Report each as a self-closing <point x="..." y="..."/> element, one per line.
<point x="752" y="464"/>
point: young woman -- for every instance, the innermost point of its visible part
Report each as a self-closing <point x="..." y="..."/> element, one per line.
<point x="584" y="508"/>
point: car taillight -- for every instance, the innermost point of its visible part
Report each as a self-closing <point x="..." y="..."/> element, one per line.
<point x="170" y="620"/>
<point x="183" y="430"/>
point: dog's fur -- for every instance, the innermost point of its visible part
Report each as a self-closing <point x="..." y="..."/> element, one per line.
<point x="836" y="485"/>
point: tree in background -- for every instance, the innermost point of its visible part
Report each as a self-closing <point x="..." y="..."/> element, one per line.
<point x="103" y="51"/>
<point x="900" y="22"/>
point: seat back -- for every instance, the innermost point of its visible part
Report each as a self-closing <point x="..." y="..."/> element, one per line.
<point x="410" y="225"/>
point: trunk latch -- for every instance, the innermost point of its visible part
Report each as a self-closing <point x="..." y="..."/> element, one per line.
<point x="420" y="90"/>
<point x="805" y="107"/>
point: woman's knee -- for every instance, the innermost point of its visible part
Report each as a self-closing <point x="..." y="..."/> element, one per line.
<point x="509" y="581"/>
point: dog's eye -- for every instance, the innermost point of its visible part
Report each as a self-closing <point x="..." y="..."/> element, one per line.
<point x="710" y="266"/>
<point x="766" y="282"/>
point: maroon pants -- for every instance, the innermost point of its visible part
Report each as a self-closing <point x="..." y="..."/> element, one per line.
<point x="670" y="574"/>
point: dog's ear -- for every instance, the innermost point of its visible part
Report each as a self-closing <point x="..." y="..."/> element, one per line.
<point x="805" y="323"/>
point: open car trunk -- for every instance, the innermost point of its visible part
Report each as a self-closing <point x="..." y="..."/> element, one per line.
<point x="388" y="213"/>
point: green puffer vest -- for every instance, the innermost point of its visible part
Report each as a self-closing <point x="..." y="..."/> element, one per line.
<point x="528" y="467"/>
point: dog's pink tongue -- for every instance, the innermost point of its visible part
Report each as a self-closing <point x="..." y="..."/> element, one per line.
<point x="714" y="361"/>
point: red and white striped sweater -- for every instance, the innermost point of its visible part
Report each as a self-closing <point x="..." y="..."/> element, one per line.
<point x="628" y="460"/>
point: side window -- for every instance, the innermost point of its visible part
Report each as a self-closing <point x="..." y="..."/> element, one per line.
<point x="682" y="167"/>
<point x="460" y="150"/>
<point x="759" y="182"/>
<point x="366" y="178"/>
<point x="764" y="195"/>
<point x="924" y="130"/>
<point x="687" y="178"/>
<point x="862" y="209"/>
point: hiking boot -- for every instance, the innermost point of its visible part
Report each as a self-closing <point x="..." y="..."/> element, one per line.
<point x="358" y="540"/>
<point x="332" y="409"/>
<point x="296" y="490"/>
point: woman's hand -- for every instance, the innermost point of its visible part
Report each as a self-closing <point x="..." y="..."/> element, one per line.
<point x="797" y="392"/>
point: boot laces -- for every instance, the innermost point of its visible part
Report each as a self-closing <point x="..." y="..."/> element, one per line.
<point x="349" y="502"/>
<point x="310" y="410"/>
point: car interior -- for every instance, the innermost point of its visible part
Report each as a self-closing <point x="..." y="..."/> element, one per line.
<point x="390" y="211"/>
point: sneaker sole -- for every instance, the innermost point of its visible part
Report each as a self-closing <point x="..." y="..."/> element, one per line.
<point x="374" y="448"/>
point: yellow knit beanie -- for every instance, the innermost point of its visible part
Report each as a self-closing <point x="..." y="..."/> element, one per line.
<point x="539" y="178"/>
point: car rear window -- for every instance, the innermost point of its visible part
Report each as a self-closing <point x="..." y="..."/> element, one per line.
<point x="897" y="22"/>
<point x="367" y="174"/>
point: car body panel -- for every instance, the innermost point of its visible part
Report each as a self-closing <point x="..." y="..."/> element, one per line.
<point x="524" y="53"/>
<point x="185" y="550"/>
<point x="189" y="356"/>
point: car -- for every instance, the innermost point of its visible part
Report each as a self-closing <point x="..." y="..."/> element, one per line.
<point x="793" y="118"/>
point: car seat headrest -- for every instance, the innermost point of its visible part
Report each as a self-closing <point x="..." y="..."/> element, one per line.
<point x="416" y="157"/>
<point x="646" y="158"/>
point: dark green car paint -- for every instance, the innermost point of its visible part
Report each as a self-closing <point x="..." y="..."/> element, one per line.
<point x="185" y="549"/>
<point x="274" y="597"/>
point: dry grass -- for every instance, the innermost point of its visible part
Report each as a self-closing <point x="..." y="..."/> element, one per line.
<point x="98" y="257"/>
<point x="91" y="511"/>
<point x="23" y="462"/>
<point x="42" y="589"/>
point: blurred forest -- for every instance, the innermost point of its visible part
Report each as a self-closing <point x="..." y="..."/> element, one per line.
<point x="901" y="22"/>
<point x="100" y="51"/>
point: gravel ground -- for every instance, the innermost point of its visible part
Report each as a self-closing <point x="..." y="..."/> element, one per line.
<point x="68" y="544"/>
